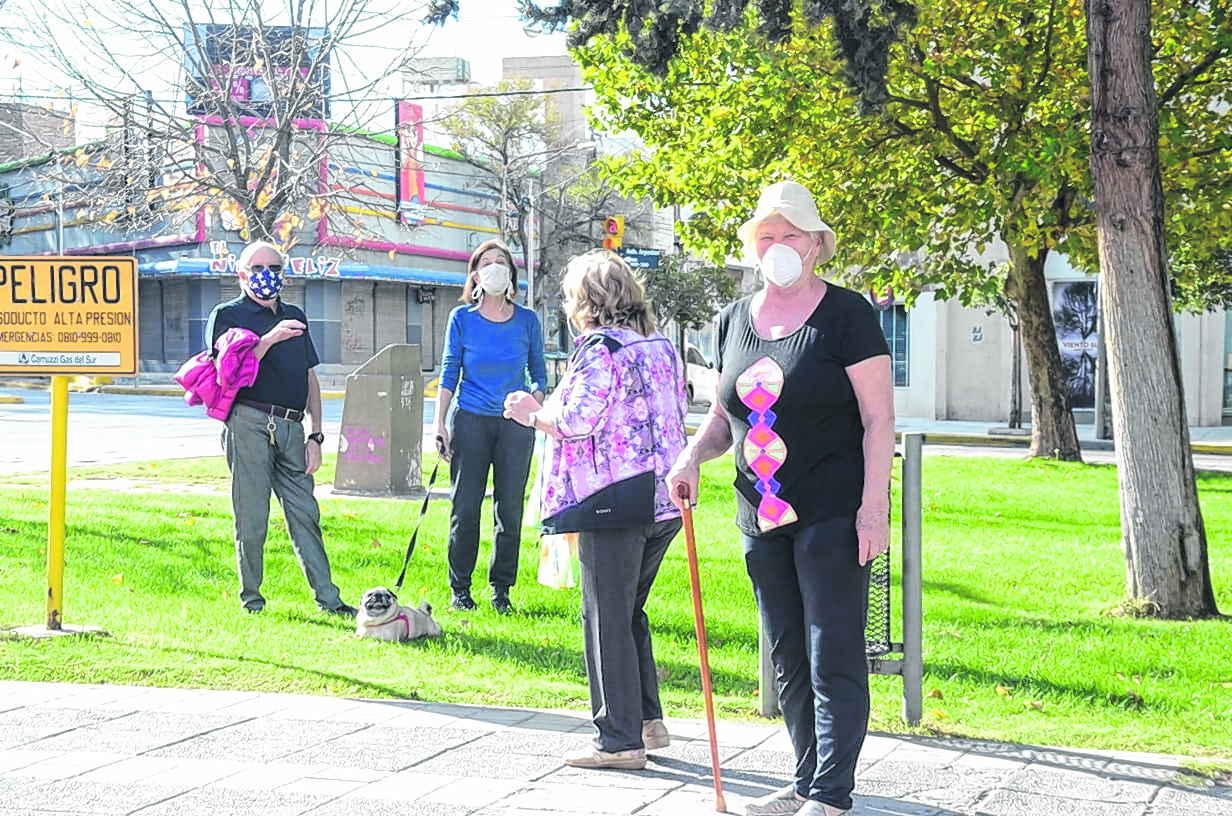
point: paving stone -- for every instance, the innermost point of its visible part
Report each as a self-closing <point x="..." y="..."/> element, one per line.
<point x="403" y="787"/>
<point x="692" y="800"/>
<point x="372" y="711"/>
<point x="231" y="802"/>
<point x="196" y="773"/>
<point x="134" y="733"/>
<point x="694" y="753"/>
<point x="573" y="799"/>
<point x="1079" y="785"/>
<point x="1145" y="771"/>
<point x="134" y="769"/>
<point x="778" y="763"/>
<point x="325" y="788"/>
<point x="307" y="707"/>
<point x="481" y="764"/>
<point x="66" y="765"/>
<point x="73" y="796"/>
<point x="1017" y="803"/>
<point x="258" y="740"/>
<point x="14" y="758"/>
<point x="475" y="793"/>
<point x="533" y="743"/>
<point x="652" y="777"/>
<point x="150" y="698"/>
<point x="91" y="697"/>
<point x="22" y="794"/>
<point x="26" y="725"/>
<point x="384" y="748"/>
<point x="267" y="776"/>
<point x="1194" y="802"/>
<point x="563" y="723"/>
<point x="370" y="807"/>
<point x="875" y="806"/>
<point x="875" y="747"/>
<point x="208" y="702"/>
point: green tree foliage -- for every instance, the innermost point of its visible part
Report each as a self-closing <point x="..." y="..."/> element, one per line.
<point x="687" y="292"/>
<point x="513" y="139"/>
<point x="983" y="138"/>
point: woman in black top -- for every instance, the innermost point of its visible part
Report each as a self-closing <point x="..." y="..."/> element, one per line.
<point x="806" y="394"/>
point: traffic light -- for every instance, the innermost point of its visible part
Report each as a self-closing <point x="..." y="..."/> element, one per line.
<point x="613" y="232"/>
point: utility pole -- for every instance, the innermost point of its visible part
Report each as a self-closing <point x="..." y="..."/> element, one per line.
<point x="529" y="254"/>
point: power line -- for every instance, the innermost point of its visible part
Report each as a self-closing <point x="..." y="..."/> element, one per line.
<point x="71" y="97"/>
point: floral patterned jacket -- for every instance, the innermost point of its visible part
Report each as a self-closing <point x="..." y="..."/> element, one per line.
<point x="619" y="413"/>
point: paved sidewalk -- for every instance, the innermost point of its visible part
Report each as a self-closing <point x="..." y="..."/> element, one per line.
<point x="80" y="749"/>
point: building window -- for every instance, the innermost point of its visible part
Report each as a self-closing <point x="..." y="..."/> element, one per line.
<point x="894" y="327"/>
<point x="414" y="325"/>
<point x="323" y="306"/>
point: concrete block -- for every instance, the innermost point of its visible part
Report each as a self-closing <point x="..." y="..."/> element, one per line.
<point x="381" y="439"/>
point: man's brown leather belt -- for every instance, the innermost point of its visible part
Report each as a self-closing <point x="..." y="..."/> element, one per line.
<point x="274" y="410"/>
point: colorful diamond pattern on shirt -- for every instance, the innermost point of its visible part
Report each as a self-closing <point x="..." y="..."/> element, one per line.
<point x="759" y="387"/>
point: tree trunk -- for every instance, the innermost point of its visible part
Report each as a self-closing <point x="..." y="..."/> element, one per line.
<point x="1052" y="422"/>
<point x="1161" y="523"/>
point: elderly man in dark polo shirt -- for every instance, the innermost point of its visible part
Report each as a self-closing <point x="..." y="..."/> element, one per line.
<point x="264" y="436"/>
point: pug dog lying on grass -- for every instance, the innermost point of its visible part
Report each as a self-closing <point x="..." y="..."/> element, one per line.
<point x="381" y="617"/>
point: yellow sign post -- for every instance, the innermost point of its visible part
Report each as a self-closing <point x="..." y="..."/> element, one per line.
<point x="65" y="316"/>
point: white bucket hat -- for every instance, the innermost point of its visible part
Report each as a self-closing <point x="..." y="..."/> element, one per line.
<point x="794" y="202"/>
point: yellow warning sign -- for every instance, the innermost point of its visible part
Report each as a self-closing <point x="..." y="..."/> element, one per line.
<point x="68" y="315"/>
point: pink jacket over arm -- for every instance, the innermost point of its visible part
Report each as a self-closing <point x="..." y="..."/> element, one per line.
<point x="214" y="382"/>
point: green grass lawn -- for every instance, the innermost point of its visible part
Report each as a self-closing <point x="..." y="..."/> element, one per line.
<point x="1023" y="574"/>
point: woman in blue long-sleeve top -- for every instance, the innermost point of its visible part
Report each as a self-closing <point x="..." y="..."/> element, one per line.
<point x="493" y="347"/>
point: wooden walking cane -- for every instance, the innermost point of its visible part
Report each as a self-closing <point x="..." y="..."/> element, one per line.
<point x="699" y="623"/>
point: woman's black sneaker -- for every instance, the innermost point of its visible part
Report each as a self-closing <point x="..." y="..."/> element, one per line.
<point x="500" y="601"/>
<point x="464" y="602"/>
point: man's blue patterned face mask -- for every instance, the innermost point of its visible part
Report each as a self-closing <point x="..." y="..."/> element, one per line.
<point x="265" y="281"/>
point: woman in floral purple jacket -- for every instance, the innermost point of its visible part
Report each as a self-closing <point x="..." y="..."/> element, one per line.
<point x="618" y="412"/>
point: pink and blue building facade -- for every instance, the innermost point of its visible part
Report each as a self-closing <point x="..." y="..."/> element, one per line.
<point x="381" y="260"/>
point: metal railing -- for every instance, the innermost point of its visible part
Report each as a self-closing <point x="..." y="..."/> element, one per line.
<point x="904" y="659"/>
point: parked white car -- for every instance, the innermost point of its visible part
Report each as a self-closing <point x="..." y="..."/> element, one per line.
<point x="702" y="378"/>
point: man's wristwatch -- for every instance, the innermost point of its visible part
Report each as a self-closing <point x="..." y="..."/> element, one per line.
<point x="317" y="437"/>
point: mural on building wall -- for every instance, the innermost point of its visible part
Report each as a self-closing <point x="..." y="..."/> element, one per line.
<point x="412" y="201"/>
<point x="1075" y="310"/>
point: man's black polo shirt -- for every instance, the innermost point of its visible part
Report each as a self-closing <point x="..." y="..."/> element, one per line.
<point x="283" y="376"/>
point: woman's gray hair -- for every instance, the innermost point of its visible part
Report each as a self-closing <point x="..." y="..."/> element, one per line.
<point x="604" y="289"/>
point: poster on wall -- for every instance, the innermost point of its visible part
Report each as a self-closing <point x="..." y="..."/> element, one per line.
<point x="1075" y="311"/>
<point x="409" y="152"/>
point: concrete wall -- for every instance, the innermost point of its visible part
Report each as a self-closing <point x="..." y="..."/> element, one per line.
<point x="1201" y="346"/>
<point x="554" y="73"/>
<point x="28" y="130"/>
<point x="978" y="365"/>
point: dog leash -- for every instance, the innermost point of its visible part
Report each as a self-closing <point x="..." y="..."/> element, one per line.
<point x="410" y="548"/>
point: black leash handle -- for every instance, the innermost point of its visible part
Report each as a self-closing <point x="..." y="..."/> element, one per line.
<point x="410" y="548"/>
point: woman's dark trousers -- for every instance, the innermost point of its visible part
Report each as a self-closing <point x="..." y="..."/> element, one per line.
<point x="479" y="444"/>
<point x="813" y="597"/>
<point x="618" y="570"/>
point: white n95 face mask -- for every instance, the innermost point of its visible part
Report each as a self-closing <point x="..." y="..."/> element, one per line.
<point x="494" y="278"/>
<point x="781" y="265"/>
